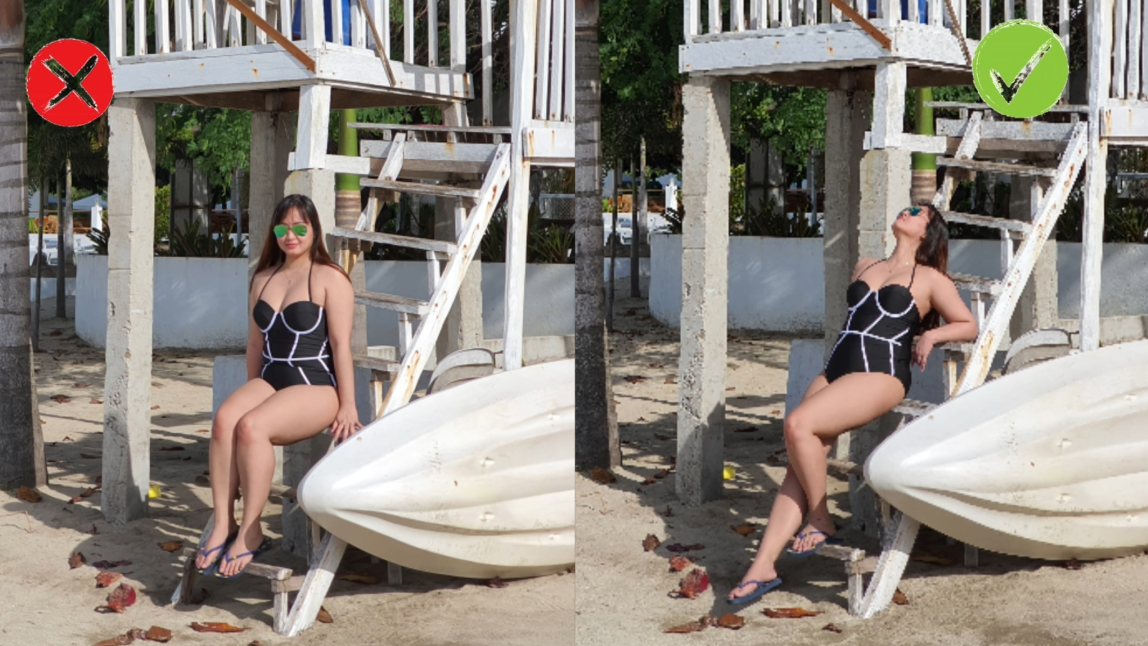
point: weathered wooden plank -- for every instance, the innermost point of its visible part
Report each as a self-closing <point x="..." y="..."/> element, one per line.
<point x="786" y="13"/>
<point x="715" y="26"/>
<point x="1142" y="83"/>
<point x="432" y="33"/>
<point x="409" y="31"/>
<point x="382" y="366"/>
<point x="425" y="156"/>
<point x="311" y="133"/>
<point x="267" y="29"/>
<point x="1034" y="10"/>
<point x="865" y="25"/>
<point x="458" y="35"/>
<point x="542" y="77"/>
<point x="315" y="586"/>
<point x="568" y="84"/>
<point x="140" y="28"/>
<point x="888" y="105"/>
<point x="197" y="18"/>
<point x="737" y="15"/>
<point x="438" y="190"/>
<point x="212" y="28"/>
<point x="380" y="50"/>
<point x="557" y="60"/>
<point x="337" y="22"/>
<point x="117" y="31"/>
<point x="1134" y="49"/>
<point x="393" y="303"/>
<point x="1100" y="39"/>
<point x="396" y="240"/>
<point x="1120" y="51"/>
<point x="1015" y="130"/>
<point x="358" y="25"/>
<point x="914" y="408"/>
<point x="234" y="27"/>
<point x="915" y="143"/>
<point x="487" y="65"/>
<point x="1004" y="224"/>
<point x="1009" y="10"/>
<point x="691" y="16"/>
<point x="890" y="566"/>
<point x="421" y="127"/>
<point x="286" y="22"/>
<point x="162" y="28"/>
<point x="1081" y="109"/>
<point x="985" y="23"/>
<point x="549" y="143"/>
<point x="998" y="167"/>
<point x="977" y="284"/>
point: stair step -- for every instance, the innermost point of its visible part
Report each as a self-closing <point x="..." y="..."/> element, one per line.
<point x="966" y="348"/>
<point x="392" y="302"/>
<point x="399" y="127"/>
<point x="997" y="167"/>
<point x="913" y="408"/>
<point x="376" y="364"/>
<point x="987" y="221"/>
<point x="976" y="283"/>
<point x="440" y="190"/>
<point x="396" y="240"/>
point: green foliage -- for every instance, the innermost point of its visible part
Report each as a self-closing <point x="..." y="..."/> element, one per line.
<point x="767" y="219"/>
<point x="415" y="225"/>
<point x="32" y="228"/>
<point x="736" y="194"/>
<point x="99" y="238"/>
<point x="162" y="212"/>
<point x="189" y="242"/>
<point x="551" y="244"/>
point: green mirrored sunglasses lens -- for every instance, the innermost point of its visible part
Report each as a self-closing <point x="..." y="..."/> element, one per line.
<point x="280" y="230"/>
<point x="914" y="210"/>
<point x="300" y="229"/>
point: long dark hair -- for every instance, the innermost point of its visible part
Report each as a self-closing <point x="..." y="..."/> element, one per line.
<point x="272" y="255"/>
<point x="934" y="252"/>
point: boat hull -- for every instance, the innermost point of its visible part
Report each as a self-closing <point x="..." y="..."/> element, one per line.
<point x="1050" y="462"/>
<point x="476" y="481"/>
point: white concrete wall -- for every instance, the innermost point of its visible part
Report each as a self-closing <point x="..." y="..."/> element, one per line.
<point x="776" y="284"/>
<point x="202" y="302"/>
<point x="48" y="286"/>
<point x="622" y="266"/>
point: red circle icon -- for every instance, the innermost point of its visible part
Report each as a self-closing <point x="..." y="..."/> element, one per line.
<point x="70" y="82"/>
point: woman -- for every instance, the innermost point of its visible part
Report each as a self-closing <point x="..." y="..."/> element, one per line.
<point x="867" y="374"/>
<point x="300" y="379"/>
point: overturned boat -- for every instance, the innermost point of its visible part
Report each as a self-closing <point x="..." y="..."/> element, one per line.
<point x="1050" y="462"/>
<point x="476" y="481"/>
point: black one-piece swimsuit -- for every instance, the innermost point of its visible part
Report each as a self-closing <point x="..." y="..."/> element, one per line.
<point x="296" y="349"/>
<point x="879" y="333"/>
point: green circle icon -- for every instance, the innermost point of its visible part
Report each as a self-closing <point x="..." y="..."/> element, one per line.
<point x="1020" y="69"/>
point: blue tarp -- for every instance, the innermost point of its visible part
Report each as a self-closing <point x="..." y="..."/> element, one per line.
<point x="297" y="23"/>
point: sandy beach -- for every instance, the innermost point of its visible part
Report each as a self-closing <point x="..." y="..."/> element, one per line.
<point x="623" y="591"/>
<point x="47" y="602"/>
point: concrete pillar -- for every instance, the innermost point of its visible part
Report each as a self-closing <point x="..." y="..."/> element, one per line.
<point x="705" y="283"/>
<point x="298" y="458"/>
<point x="463" y="328"/>
<point x="886" y="181"/>
<point x="1037" y="307"/>
<point x="127" y="381"/>
<point x="272" y="138"/>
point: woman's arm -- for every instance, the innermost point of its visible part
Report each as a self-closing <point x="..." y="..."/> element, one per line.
<point x="254" y="335"/>
<point x="339" y="302"/>
<point x="960" y="324"/>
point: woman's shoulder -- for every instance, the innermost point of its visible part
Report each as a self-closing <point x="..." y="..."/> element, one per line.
<point x="933" y="275"/>
<point x="863" y="264"/>
<point x="260" y="278"/>
<point x="331" y="276"/>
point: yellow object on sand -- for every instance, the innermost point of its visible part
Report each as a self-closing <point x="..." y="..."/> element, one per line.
<point x="153" y="492"/>
<point x="728" y="473"/>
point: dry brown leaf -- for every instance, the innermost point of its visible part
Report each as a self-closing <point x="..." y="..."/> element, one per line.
<point x="670" y="381"/>
<point x="668" y="512"/>
<point x="899" y="598"/>
<point x="76" y="560"/>
<point x="650" y="543"/>
<point x="203" y="480"/>
<point x="679" y="563"/>
<point x="368" y="579"/>
<point x="215" y="627"/>
<point x="80" y="385"/>
<point x="103" y="565"/>
<point x="730" y="388"/>
<point x="95" y="401"/>
<point x="649" y="481"/>
<point x="171" y="546"/>
<point x="657" y="366"/>
<point x="635" y="379"/>
<point x="105" y="579"/>
<point x="678" y="547"/>
<point x="789" y="613"/>
<point x="87" y="492"/>
<point x="120" y="598"/>
<point x="61" y="399"/>
<point x="157" y="634"/>
<point x="67" y="439"/>
<point x="695" y="583"/>
<point x="692" y="627"/>
<point x="27" y="494"/>
<point x="730" y="620"/>
<point x="496" y="582"/>
<point x="118" y="640"/>
<point x="203" y="430"/>
<point x="1072" y="564"/>
<point x="155" y="407"/>
<point x="833" y="628"/>
<point x="745" y="429"/>
<point x="745" y="529"/>
<point x="602" y="476"/>
<point x="324" y="617"/>
<point x="94" y="530"/>
<point x="661" y="474"/>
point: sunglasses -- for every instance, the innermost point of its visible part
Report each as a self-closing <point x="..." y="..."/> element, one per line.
<point x="914" y="210"/>
<point x="299" y="229"/>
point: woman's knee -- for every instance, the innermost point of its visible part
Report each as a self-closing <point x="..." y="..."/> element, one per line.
<point x="223" y="425"/>
<point x="247" y="429"/>
<point x="795" y="426"/>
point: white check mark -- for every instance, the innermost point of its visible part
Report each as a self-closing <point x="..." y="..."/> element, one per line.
<point x="1009" y="90"/>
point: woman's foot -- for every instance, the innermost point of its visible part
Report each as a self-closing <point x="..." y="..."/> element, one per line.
<point x="212" y="548"/>
<point x="756" y="573"/>
<point x="815" y="533"/>
<point x="248" y="541"/>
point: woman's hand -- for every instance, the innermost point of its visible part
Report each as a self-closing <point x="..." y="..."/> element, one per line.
<point x="922" y="349"/>
<point x="346" y="424"/>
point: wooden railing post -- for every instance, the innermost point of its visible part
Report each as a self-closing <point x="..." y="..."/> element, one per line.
<point x="432" y="33"/>
<point x="140" y="27"/>
<point x="458" y="35"/>
<point x="313" y="23"/>
<point x="542" y="62"/>
<point x="715" y="17"/>
<point x="162" y="28"/>
<point x="409" y="32"/>
<point x="487" y="65"/>
<point x="117" y="31"/>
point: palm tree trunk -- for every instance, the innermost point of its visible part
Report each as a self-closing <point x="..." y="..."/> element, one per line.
<point x="21" y="444"/>
<point x="596" y="426"/>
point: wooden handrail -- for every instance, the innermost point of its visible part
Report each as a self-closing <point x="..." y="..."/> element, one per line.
<point x="385" y="58"/>
<point x="867" y="26"/>
<point x="271" y="31"/>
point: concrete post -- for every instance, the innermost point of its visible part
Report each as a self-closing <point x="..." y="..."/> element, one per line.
<point x="298" y="458"/>
<point x="463" y="328"/>
<point x="1037" y="307"/>
<point x="127" y="381"/>
<point x="272" y="139"/>
<point x="705" y="283"/>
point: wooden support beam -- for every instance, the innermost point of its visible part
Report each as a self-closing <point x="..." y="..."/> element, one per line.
<point x="279" y="38"/>
<point x="379" y="50"/>
<point x="865" y="25"/>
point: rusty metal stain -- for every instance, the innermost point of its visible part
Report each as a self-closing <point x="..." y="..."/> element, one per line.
<point x="830" y="51"/>
<point x="1108" y="121"/>
<point x="255" y="72"/>
<point x="530" y="143"/>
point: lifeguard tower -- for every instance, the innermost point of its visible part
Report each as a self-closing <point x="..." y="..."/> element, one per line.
<point x="867" y="60"/>
<point x="289" y="65"/>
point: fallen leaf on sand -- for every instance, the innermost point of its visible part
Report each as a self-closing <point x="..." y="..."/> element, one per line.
<point x="95" y="401"/>
<point x="157" y="634"/>
<point x="496" y="582"/>
<point x="76" y="560"/>
<point x="105" y="579"/>
<point x="745" y="429"/>
<point x="670" y="381"/>
<point x="87" y="456"/>
<point x="171" y="448"/>
<point x="661" y="474"/>
<point x="28" y="494"/>
<point x="80" y="385"/>
<point x="203" y="430"/>
<point x="1072" y="564"/>
<point x="678" y="547"/>
<point x="324" y="617"/>
<point x="120" y="598"/>
<point x="635" y="379"/>
<point x="67" y="439"/>
<point x="94" y="530"/>
<point x="368" y="579"/>
<point x="171" y="546"/>
<point x="657" y="366"/>
<point x="693" y="626"/>
<point x="641" y="419"/>
<point x="155" y="407"/>
<point x="695" y="583"/>
<point x="602" y="476"/>
<point x="789" y="613"/>
<point x="943" y="561"/>
<point x="899" y="598"/>
<point x="730" y="620"/>
<point x="118" y="640"/>
<point x="649" y="481"/>
<point x="746" y="529"/>
<point x="203" y="480"/>
<point x="74" y="499"/>
<point x="87" y="492"/>
<point x="679" y="563"/>
<point x="570" y="570"/>
<point x="775" y="411"/>
<point x="833" y="628"/>
<point x="668" y="512"/>
<point x="61" y="399"/>
<point x="103" y="565"/>
<point x="215" y="627"/>
<point x="730" y="388"/>
<point x="650" y="543"/>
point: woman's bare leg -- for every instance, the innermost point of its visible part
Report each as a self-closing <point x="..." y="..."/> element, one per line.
<point x="290" y="415"/>
<point x="849" y="402"/>
<point x="221" y="461"/>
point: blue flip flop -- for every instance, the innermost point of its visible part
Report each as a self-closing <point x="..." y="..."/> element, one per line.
<point x="762" y="588"/>
<point x="200" y="550"/>
<point x="263" y="547"/>
<point x="829" y="540"/>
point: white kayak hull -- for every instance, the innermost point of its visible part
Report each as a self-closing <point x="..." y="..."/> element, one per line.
<point x="476" y="481"/>
<point x="1050" y="462"/>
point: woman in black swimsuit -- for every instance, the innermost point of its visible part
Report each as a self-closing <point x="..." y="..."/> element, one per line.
<point x="300" y="379"/>
<point x="891" y="301"/>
